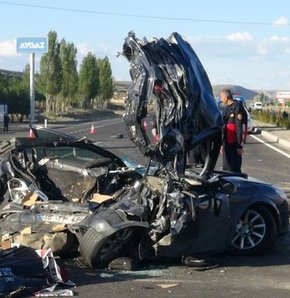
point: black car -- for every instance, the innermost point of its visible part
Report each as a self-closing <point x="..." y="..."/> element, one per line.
<point x="181" y="209"/>
<point x="173" y="209"/>
<point x="223" y="212"/>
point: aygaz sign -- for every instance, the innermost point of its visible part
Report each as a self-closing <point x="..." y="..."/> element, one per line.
<point x="31" y="45"/>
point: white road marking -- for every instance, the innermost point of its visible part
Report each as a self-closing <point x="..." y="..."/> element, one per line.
<point x="270" y="146"/>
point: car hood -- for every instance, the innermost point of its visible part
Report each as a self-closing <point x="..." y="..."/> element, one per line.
<point x="249" y="187"/>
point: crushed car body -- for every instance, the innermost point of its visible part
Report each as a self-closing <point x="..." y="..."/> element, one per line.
<point x="46" y="184"/>
<point x="168" y="75"/>
<point x="178" y="203"/>
<point x="174" y="209"/>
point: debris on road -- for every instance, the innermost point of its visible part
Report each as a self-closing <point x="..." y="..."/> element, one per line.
<point x="25" y="271"/>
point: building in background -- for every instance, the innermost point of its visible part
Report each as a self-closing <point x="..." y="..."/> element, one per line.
<point x="283" y="98"/>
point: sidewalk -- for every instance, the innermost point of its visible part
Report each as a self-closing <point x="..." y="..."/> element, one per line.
<point x="273" y="133"/>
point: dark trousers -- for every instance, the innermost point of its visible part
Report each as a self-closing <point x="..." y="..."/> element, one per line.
<point x="232" y="161"/>
<point x="196" y="156"/>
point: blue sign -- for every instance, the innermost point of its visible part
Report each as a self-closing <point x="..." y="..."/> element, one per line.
<point x="31" y="45"/>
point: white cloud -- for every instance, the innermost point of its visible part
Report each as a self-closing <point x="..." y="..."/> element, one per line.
<point x="241" y="54"/>
<point x="276" y="38"/>
<point x="103" y="47"/>
<point x="231" y="46"/>
<point x="83" y="49"/>
<point x="239" y="37"/>
<point x="99" y="50"/>
<point x="274" y="47"/>
<point x="282" y="21"/>
<point x="242" y="47"/>
<point x="8" y="48"/>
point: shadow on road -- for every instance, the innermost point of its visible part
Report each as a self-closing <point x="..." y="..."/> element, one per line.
<point x="173" y="269"/>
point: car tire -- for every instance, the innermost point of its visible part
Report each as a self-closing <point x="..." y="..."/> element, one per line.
<point x="98" y="251"/>
<point x="255" y="232"/>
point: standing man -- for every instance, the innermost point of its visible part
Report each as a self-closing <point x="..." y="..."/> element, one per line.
<point x="233" y="138"/>
<point x="6" y="122"/>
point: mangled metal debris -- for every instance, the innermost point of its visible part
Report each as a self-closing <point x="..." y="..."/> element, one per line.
<point x="167" y="74"/>
<point x="44" y="273"/>
<point x="45" y="225"/>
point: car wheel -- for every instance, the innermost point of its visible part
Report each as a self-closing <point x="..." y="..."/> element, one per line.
<point x="98" y="252"/>
<point x="255" y="232"/>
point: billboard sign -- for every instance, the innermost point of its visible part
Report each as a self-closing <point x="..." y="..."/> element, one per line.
<point x="283" y="94"/>
<point x="31" y="45"/>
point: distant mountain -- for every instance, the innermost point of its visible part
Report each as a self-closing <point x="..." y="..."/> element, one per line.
<point x="269" y="94"/>
<point x="11" y="73"/>
<point x="122" y="86"/>
<point x="248" y="94"/>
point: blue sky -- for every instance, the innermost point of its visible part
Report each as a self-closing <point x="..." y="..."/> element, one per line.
<point x="239" y="42"/>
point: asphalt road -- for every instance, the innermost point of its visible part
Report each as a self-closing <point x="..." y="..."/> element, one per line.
<point x="263" y="276"/>
<point x="259" y="160"/>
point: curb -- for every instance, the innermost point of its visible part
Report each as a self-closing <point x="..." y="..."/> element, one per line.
<point x="284" y="143"/>
<point x="269" y="136"/>
<point x="275" y="139"/>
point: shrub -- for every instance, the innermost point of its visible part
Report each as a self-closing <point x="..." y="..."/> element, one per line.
<point x="273" y="118"/>
<point x="281" y="119"/>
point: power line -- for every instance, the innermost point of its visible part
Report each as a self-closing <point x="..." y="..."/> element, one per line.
<point x="85" y="11"/>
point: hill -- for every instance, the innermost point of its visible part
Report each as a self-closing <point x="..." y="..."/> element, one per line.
<point x="248" y="94"/>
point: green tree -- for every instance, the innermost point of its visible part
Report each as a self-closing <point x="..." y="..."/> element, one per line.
<point x="105" y="80"/>
<point x="50" y="77"/>
<point x="3" y="86"/>
<point x="70" y="75"/>
<point x="26" y="77"/>
<point x="17" y="96"/>
<point x="262" y="97"/>
<point x="88" y="80"/>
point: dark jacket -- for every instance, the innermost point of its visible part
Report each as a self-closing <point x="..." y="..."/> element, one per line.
<point x="234" y="117"/>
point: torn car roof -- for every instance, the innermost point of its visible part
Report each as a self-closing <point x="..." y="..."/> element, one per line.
<point x="167" y="74"/>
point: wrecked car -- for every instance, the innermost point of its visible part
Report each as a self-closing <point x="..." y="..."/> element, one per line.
<point x="171" y="210"/>
<point x="181" y="209"/>
<point x="46" y="183"/>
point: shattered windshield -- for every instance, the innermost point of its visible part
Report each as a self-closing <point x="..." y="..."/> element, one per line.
<point x="171" y="91"/>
